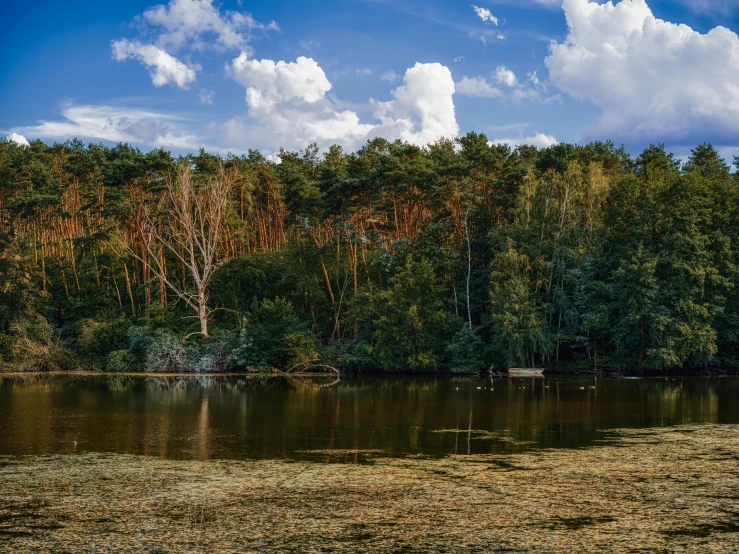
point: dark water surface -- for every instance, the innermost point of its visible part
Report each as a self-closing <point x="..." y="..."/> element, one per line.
<point x="252" y="418"/>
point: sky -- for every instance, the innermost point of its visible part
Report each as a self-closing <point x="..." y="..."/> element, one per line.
<point x="235" y="75"/>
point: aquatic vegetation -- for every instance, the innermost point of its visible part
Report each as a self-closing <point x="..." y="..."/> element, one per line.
<point x="664" y="489"/>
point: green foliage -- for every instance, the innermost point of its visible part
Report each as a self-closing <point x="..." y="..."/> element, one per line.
<point x="118" y="361"/>
<point x="350" y="356"/>
<point x="466" y="352"/>
<point x="521" y="334"/>
<point x="35" y="346"/>
<point x="275" y="336"/>
<point x="409" y="320"/>
<point x="96" y="339"/>
<point x="451" y="257"/>
<point x="19" y="286"/>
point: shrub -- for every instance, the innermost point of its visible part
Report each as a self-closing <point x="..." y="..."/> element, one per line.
<point x="350" y="356"/>
<point x="466" y="351"/>
<point x="166" y="352"/>
<point x="118" y="360"/>
<point x="36" y="346"/>
<point x="277" y="336"/>
<point x="98" y="339"/>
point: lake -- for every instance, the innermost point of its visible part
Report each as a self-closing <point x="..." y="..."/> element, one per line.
<point x="251" y="418"/>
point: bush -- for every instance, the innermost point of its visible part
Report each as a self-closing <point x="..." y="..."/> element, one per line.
<point x="36" y="346"/>
<point x="165" y="351"/>
<point x="301" y="349"/>
<point x="118" y="360"/>
<point x="276" y="336"/>
<point x="98" y="339"/>
<point x="350" y="356"/>
<point x="466" y="351"/>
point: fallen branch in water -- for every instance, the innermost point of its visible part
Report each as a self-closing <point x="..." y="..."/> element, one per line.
<point x="308" y="380"/>
<point x="309" y="366"/>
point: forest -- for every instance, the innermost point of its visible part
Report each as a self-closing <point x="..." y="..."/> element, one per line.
<point x="458" y="257"/>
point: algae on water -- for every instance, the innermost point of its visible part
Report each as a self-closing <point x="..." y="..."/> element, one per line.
<point x="667" y="489"/>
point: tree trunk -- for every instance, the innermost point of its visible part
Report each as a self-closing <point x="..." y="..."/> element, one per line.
<point x="203" y="314"/>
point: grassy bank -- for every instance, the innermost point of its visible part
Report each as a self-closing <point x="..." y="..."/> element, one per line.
<point x="658" y="490"/>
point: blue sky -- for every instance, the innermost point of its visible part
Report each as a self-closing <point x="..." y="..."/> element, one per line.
<point x="235" y="75"/>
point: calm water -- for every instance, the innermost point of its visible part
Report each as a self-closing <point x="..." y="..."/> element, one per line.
<point x="238" y="417"/>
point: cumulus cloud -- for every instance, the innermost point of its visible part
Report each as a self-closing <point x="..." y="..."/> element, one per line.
<point x="117" y="124"/>
<point x="189" y="22"/>
<point x="423" y="109"/>
<point x="195" y="24"/>
<point x="163" y="67"/>
<point x="269" y="83"/>
<point x="485" y="15"/>
<point x="288" y="106"/>
<point x="390" y="77"/>
<point x="653" y="80"/>
<point x="539" y="140"/>
<point x="20" y="140"/>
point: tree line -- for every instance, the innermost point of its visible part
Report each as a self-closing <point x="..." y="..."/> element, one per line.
<point x="460" y="256"/>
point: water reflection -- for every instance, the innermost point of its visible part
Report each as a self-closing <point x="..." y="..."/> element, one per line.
<point x="258" y="417"/>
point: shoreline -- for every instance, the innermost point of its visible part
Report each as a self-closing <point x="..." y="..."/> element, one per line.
<point x="6" y="371"/>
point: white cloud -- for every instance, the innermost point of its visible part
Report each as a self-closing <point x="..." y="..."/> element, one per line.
<point x="364" y="71"/>
<point x="288" y="106"/>
<point x="195" y="24"/>
<point x="485" y="15"/>
<point x="269" y="83"/>
<point x="163" y="67"/>
<point x="20" y="140"/>
<point x="423" y="109"/>
<point x="539" y="140"/>
<point x="117" y="124"/>
<point x="186" y="22"/>
<point x="511" y="88"/>
<point x="477" y="86"/>
<point x="505" y="76"/>
<point x="206" y="95"/>
<point x="652" y="79"/>
<point x="459" y="59"/>
<point x="390" y="77"/>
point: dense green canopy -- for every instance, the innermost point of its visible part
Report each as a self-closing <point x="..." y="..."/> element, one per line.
<point x="459" y="256"/>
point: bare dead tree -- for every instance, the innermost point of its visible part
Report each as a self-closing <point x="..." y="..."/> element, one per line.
<point x="189" y="228"/>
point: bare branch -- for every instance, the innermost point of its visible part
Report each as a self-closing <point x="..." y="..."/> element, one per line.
<point x="189" y="228"/>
